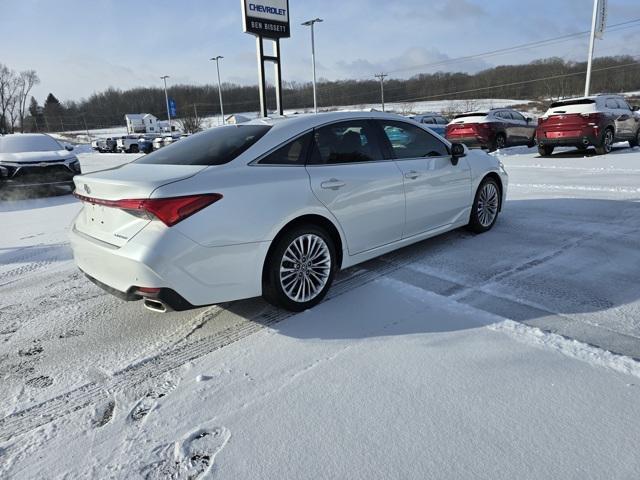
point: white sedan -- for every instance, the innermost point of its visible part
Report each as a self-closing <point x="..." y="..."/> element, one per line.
<point x="275" y="207"/>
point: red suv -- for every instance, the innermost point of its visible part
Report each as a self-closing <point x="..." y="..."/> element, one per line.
<point x="598" y="120"/>
<point x="495" y="129"/>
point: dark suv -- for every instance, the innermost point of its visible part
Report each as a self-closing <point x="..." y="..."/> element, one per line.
<point x="598" y="120"/>
<point x="495" y="129"/>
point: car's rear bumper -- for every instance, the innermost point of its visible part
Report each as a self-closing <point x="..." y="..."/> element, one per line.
<point x="161" y="257"/>
<point x="570" y="136"/>
<point x="471" y="142"/>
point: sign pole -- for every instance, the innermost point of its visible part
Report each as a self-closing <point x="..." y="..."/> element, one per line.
<point x="278" y="72"/>
<point x="261" y="80"/>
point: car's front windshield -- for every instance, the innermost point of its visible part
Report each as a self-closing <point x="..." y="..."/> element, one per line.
<point x="28" y="143"/>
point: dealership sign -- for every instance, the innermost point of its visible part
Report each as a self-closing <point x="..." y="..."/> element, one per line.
<point x="266" y="18"/>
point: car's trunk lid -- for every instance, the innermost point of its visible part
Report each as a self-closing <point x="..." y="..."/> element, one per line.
<point x="113" y="225"/>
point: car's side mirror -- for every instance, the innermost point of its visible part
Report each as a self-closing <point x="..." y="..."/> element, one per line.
<point x="529" y="120"/>
<point x="635" y="108"/>
<point x="68" y="148"/>
<point x="457" y="151"/>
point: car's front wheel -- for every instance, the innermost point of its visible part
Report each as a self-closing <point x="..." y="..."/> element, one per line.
<point x="300" y="268"/>
<point x="486" y="206"/>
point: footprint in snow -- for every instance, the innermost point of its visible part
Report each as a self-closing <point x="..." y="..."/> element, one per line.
<point x="150" y="401"/>
<point x="104" y="414"/>
<point x="191" y="458"/>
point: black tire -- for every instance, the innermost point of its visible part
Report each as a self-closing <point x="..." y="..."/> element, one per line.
<point x="134" y="149"/>
<point x="545" y="150"/>
<point x="636" y="141"/>
<point x="477" y="224"/>
<point x="500" y="141"/>
<point x="606" y="142"/>
<point x="272" y="287"/>
<point x="532" y="143"/>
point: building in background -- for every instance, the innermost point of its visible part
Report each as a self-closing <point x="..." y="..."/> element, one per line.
<point x="142" y="123"/>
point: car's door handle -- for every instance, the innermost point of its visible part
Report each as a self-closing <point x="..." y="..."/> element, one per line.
<point x="333" y="184"/>
<point x="411" y="174"/>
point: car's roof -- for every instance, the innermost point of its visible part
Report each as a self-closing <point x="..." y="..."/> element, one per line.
<point x="291" y="125"/>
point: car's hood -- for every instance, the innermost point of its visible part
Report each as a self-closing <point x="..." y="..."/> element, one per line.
<point x="32" y="157"/>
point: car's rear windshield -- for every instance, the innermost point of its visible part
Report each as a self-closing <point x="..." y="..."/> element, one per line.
<point x="20" y="143"/>
<point x="566" y="103"/>
<point x="464" y="115"/>
<point x="213" y="147"/>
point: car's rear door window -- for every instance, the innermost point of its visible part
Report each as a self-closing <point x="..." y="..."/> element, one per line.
<point x="410" y="141"/>
<point x="293" y="153"/>
<point x="350" y="141"/>
<point x="212" y="147"/>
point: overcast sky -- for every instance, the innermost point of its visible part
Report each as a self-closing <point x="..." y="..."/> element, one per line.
<point x="78" y="47"/>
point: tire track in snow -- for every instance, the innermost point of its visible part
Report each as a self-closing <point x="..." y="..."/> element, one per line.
<point x="153" y="367"/>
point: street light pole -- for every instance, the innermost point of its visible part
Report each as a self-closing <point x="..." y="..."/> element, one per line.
<point x="592" y="41"/>
<point x="217" y="59"/>
<point x="310" y="23"/>
<point x="166" y="99"/>
<point x="381" y="76"/>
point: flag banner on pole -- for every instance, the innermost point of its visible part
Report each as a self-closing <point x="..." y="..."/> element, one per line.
<point x="173" y="111"/>
<point x="601" y="23"/>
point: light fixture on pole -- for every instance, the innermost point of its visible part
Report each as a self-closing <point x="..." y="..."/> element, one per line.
<point x="217" y="59"/>
<point x="381" y="76"/>
<point x="310" y="23"/>
<point x="166" y="98"/>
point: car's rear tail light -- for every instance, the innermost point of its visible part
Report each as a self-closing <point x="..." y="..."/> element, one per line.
<point x="591" y="116"/>
<point x="169" y="210"/>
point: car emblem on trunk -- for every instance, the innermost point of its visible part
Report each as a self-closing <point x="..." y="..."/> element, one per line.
<point x="86" y="188"/>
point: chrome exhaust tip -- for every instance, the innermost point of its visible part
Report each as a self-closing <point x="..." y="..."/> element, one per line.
<point x="155" y="305"/>
<point x="585" y="141"/>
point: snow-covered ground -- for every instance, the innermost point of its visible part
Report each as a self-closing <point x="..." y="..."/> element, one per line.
<point x="503" y="355"/>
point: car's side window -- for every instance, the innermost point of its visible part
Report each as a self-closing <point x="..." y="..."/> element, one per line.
<point x="517" y="116"/>
<point x="345" y="142"/>
<point x="441" y="120"/>
<point x="623" y="105"/>
<point x="293" y="153"/>
<point x="409" y="141"/>
<point x="611" y="103"/>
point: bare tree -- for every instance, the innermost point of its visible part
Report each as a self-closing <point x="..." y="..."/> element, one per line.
<point x="190" y="123"/>
<point x="28" y="79"/>
<point x="8" y="86"/>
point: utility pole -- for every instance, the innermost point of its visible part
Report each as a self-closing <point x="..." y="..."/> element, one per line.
<point x="598" y="24"/>
<point x="381" y="76"/>
<point x="310" y="23"/>
<point x="166" y="98"/>
<point x="217" y="59"/>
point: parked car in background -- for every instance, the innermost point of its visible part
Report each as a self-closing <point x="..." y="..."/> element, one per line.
<point x="157" y="143"/>
<point x="103" y="145"/>
<point x="493" y="129"/>
<point x="145" y="145"/>
<point x="276" y="207"/>
<point x="36" y="160"/>
<point x="129" y="143"/>
<point x="597" y="120"/>
<point x="434" y="121"/>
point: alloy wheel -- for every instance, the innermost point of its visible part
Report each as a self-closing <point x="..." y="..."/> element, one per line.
<point x="608" y="141"/>
<point x="488" y="201"/>
<point x="305" y="268"/>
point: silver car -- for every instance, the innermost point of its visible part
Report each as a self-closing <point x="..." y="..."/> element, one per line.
<point x="275" y="207"/>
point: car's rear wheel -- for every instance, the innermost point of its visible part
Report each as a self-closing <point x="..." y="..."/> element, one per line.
<point x="500" y="141"/>
<point x="486" y="206"/>
<point x="636" y="141"/>
<point x="134" y="149"/>
<point x="545" y="150"/>
<point x="606" y="144"/>
<point x="300" y="268"/>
